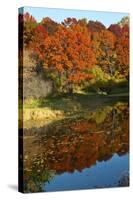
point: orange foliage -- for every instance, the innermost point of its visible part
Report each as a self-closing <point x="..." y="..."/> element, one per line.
<point x="104" y="48"/>
<point x="122" y="49"/>
<point x="81" y="143"/>
<point x="36" y="45"/>
<point x="69" y="51"/>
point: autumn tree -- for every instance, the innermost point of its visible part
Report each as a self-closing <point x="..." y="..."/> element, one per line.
<point x="122" y="49"/>
<point x="83" y="22"/>
<point x="29" y="25"/>
<point x="104" y="48"/>
<point x="68" y="56"/>
<point x="116" y="29"/>
<point x="36" y="46"/>
<point x="74" y="51"/>
<point x="49" y="25"/>
<point x="95" y="26"/>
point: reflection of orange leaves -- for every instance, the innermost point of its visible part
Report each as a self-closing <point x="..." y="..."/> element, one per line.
<point x="78" y="144"/>
<point x="64" y="149"/>
<point x="82" y="127"/>
<point x="50" y="142"/>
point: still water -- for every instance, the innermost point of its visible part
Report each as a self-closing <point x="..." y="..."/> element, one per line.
<point x="90" y="150"/>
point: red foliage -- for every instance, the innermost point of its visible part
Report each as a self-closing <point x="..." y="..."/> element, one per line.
<point x="71" y="49"/>
<point x="36" y="45"/>
<point x="28" y="18"/>
<point x="116" y="29"/>
<point x="95" y="26"/>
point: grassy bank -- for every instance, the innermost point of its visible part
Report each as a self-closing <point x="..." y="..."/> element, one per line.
<point x="62" y="106"/>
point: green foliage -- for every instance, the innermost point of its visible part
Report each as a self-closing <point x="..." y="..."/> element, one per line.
<point x="76" y="55"/>
<point x="99" y="75"/>
<point x="38" y="178"/>
<point x="103" y="83"/>
<point x="34" y="103"/>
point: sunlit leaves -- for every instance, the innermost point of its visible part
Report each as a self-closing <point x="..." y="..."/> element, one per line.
<point x="122" y="49"/>
<point x="36" y="45"/>
<point x="104" y="47"/>
<point x="116" y="29"/>
<point x="69" y="51"/>
<point x="73" y="48"/>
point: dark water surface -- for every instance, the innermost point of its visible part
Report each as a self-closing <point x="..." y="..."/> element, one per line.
<point x="90" y="150"/>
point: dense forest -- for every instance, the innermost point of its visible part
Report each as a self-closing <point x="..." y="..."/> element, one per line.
<point x="73" y="103"/>
<point x="75" y="55"/>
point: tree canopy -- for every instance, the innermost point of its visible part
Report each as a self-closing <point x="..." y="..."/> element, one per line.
<point x="68" y="52"/>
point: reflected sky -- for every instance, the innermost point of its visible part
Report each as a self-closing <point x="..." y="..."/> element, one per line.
<point x="103" y="174"/>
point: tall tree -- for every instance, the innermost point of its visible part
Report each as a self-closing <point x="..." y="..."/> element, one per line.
<point x="29" y="25"/>
<point x="95" y="26"/>
<point x="116" y="29"/>
<point x="104" y="48"/>
<point x="122" y="49"/>
<point x="50" y="25"/>
<point x="36" y="45"/>
<point x="69" y="55"/>
<point x="83" y="22"/>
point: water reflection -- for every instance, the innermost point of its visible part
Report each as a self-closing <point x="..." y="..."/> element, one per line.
<point x="110" y="174"/>
<point x="65" y="150"/>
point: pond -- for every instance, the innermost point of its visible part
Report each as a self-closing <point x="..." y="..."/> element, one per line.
<point x="90" y="150"/>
